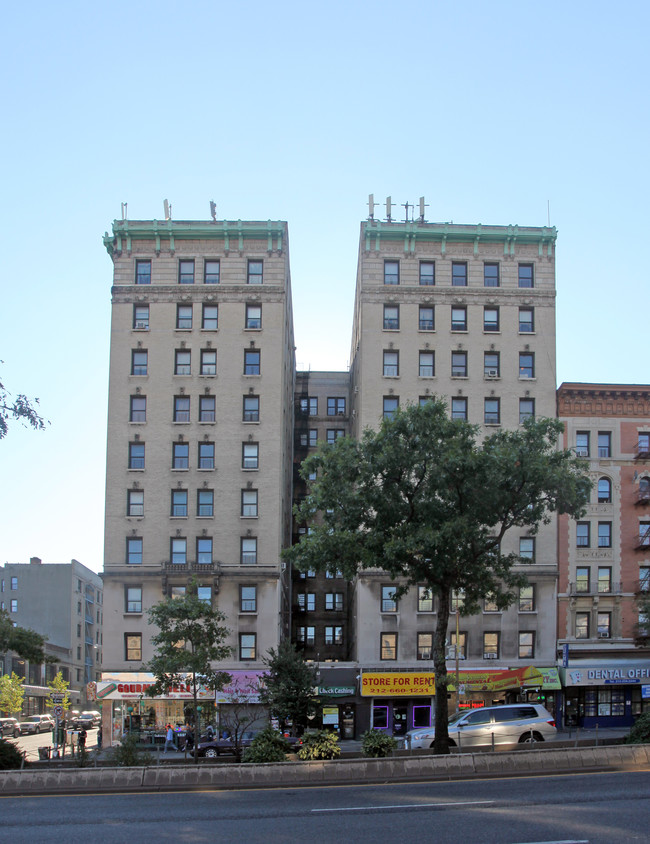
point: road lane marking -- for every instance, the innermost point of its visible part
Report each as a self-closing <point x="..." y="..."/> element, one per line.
<point x="408" y="806"/>
<point x="563" y="841"/>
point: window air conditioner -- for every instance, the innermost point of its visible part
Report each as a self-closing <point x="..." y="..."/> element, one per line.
<point x="492" y="373"/>
<point x="489" y="656"/>
<point x="141" y="325"/>
<point x="603" y="634"/>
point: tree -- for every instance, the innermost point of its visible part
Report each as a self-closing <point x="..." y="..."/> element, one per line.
<point x="289" y="686"/>
<point x="190" y="639"/>
<point x="241" y="713"/>
<point x="58" y="684"/>
<point x="11" y="693"/>
<point x="18" y="408"/>
<point x="425" y="500"/>
<point x="27" y="643"/>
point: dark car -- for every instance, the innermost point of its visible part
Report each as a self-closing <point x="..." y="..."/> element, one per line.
<point x="211" y="748"/>
<point x="88" y="719"/>
<point x="9" y="727"/>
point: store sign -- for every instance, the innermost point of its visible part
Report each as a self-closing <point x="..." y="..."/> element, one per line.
<point x="398" y="684"/>
<point x="598" y="674"/>
<point x="336" y="691"/>
<point x="134" y="686"/>
<point x="645" y="692"/>
<point x="244" y="687"/>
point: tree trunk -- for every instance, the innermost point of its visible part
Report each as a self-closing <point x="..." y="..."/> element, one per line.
<point x="195" y="731"/>
<point x="441" y="742"/>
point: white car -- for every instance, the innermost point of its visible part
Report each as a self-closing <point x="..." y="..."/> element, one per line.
<point x="37" y="724"/>
<point x="510" y="724"/>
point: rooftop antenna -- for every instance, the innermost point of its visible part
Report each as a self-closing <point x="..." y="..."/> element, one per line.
<point x="389" y="206"/>
<point x="548" y="212"/>
<point x="407" y="205"/>
<point x="422" y="207"/>
<point x="213" y="210"/>
<point x="371" y="206"/>
<point x="125" y="206"/>
<point x="168" y="210"/>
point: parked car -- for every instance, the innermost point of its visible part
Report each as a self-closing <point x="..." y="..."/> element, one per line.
<point x="509" y="724"/>
<point x="37" y="724"/>
<point x="223" y="746"/>
<point x="88" y="719"/>
<point x="9" y="727"/>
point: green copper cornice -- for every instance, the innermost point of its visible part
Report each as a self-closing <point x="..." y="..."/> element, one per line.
<point x="233" y="233"/>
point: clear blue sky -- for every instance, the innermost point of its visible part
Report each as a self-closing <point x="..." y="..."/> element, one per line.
<point x="297" y="111"/>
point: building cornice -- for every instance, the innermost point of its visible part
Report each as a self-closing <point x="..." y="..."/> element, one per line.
<point x="576" y="399"/>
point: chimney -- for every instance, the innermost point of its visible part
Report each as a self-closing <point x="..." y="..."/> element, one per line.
<point x="35" y="561"/>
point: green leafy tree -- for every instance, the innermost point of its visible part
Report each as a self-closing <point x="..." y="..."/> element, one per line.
<point x="27" y="643"/>
<point x="289" y="686"/>
<point x="426" y="500"/>
<point x="190" y="639"/>
<point x="12" y="693"/>
<point x="58" y="684"/>
<point x="18" y="408"/>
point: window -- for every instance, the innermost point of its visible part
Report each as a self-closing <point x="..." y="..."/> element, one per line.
<point x="526" y="645"/>
<point x="141" y="317"/>
<point x="255" y="272"/>
<point x="391" y="403"/>
<point x="336" y="407"/>
<point x="210" y="317"/>
<point x="425" y="646"/>
<point x="604" y="444"/>
<point x="180" y="456"/>
<point x="582" y="535"/>
<point x="582" y="625"/>
<point x="333" y="635"/>
<point x="250" y="456"/>
<point x="643" y="443"/>
<point x="13" y="605"/>
<point x="333" y="434"/>
<point x="143" y="272"/>
<point x="462" y="644"/>
<point x="135" y="502"/>
<point x="391" y="364"/>
<point x="490" y="275"/>
<point x="459" y="364"/>
<point x="527" y="598"/>
<point x="490" y="319"/>
<point x="248" y="641"/>
<point x="604" y="491"/>
<point x="182" y="362"/>
<point x="459" y="274"/>
<point x="309" y="439"/>
<point x="136" y="455"/>
<point x="253" y="316"/>
<point x="644" y="578"/>
<point x="391" y="317"/>
<point x="330" y="575"/>
<point x="134" y="550"/>
<point x="208" y="362"/>
<point x="310" y="604"/>
<point x="526" y="320"/>
<point x="206" y="455"/>
<point x="491" y="364"/>
<point x="492" y="411"/>
<point x="211" y="272"/>
<point x="183" y="317"/>
<point x="527" y="547"/>
<point x="334" y="601"/>
<point x="604" y="579"/>
<point x="248" y="550"/>
<point x="644" y="533"/>
<point x="133" y="646"/>
<point x="526" y="365"/>
<point x="456" y="600"/>
<point x="427" y="365"/>
<point x="425" y="599"/>
<point x="309" y="405"/>
<point x="391" y="272"/>
<point x="388" y="646"/>
<point x="248" y="599"/>
<point x="181" y="408"/>
<point x="490" y="645"/>
<point x="526" y="278"/>
<point x="305" y="635"/>
<point x="249" y="503"/>
<point x="583" y="579"/>
<point x="459" y="408"/>
<point x="205" y="503"/>
<point x="526" y="410"/>
<point x="388" y="601"/>
<point x="604" y="623"/>
<point x="186" y="272"/>
<point x="604" y="534"/>
<point x="138" y="409"/>
<point x="204" y="550"/>
<point x="207" y="408"/>
<point x="490" y="604"/>
<point x="179" y="503"/>
<point x="179" y="551"/>
<point x="427" y="273"/>
<point x="204" y="593"/>
<point x="133" y="598"/>
<point x="251" y="411"/>
<point x="582" y="443"/>
<point x="459" y="319"/>
<point x="426" y="319"/>
<point x="251" y="362"/>
<point x="139" y="359"/>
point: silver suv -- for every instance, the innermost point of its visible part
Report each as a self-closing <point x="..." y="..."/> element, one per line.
<point x="510" y="724"/>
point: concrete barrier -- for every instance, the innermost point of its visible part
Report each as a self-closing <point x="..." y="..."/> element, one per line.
<point x="339" y="771"/>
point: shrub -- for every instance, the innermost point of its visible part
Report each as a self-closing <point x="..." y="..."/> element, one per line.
<point x="267" y="746"/>
<point x="377" y="744"/>
<point x="10" y="756"/>
<point x="640" y="732"/>
<point x="129" y="755"/>
<point x="321" y="745"/>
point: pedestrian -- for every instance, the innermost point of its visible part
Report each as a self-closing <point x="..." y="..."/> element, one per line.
<point x="210" y="732"/>
<point x="82" y="739"/>
<point x="169" y="739"/>
<point x="99" y="738"/>
<point x="189" y="739"/>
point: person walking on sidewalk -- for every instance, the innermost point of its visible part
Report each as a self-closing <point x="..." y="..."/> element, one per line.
<point x="169" y="739"/>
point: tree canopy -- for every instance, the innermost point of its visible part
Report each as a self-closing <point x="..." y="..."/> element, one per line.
<point x="27" y="643"/>
<point x="18" y="408"/>
<point x="12" y="693"/>
<point x="425" y="499"/>
<point x="289" y="685"/>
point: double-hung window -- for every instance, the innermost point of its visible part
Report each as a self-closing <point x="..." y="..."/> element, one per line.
<point x="207" y="408"/>
<point x="255" y="272"/>
<point x="206" y="455"/>
<point x="391" y="272"/>
<point x="526" y="278"/>
<point x="391" y="364"/>
<point x="181" y="408"/>
<point x="183" y="317"/>
<point x="492" y="411"/>
<point x="208" y="361"/>
<point x="388" y="600"/>
<point x="138" y="409"/>
<point x="490" y="319"/>
<point x="459" y="319"/>
<point x="426" y="320"/>
<point x="182" y="362"/>
<point x="250" y="455"/>
<point x="427" y="273"/>
<point x="211" y="272"/>
<point x="526" y="365"/>
<point x="143" y="272"/>
<point x="252" y="362"/>
<point x="186" y="272"/>
<point x="459" y="274"/>
<point x="139" y="361"/>
<point x="249" y="503"/>
<point x="604" y="444"/>
<point x="459" y="364"/>
<point x="253" y="316"/>
<point x="210" y="320"/>
<point x="180" y="455"/>
<point x="205" y="503"/>
<point x="427" y="367"/>
<point x="179" y="503"/>
<point x="391" y="317"/>
<point x="490" y="275"/>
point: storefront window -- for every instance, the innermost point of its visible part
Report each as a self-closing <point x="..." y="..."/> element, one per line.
<point x="380" y="717"/>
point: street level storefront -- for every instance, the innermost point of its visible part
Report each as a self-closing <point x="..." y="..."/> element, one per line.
<point x="607" y="693"/>
<point x="405" y="700"/>
<point x="337" y="688"/>
<point x="238" y="703"/>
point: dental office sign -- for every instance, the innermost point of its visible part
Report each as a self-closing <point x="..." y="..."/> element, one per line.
<point x="595" y="675"/>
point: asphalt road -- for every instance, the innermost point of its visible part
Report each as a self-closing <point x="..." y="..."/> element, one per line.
<point x="584" y="808"/>
<point x="30" y="744"/>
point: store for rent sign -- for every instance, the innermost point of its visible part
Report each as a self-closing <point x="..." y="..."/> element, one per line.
<point x="397" y="684"/>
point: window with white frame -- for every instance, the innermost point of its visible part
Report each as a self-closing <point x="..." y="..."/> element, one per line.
<point x="425" y="599"/>
<point x="424" y="646"/>
<point x="526" y="645"/>
<point x="388" y="646"/>
<point x="491" y="645"/>
<point x="527" y="598"/>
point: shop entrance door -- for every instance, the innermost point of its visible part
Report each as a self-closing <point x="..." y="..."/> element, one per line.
<point x="400" y="723"/>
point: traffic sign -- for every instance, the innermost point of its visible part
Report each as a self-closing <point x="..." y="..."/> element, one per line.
<point x="57" y="697"/>
<point x="58" y="711"/>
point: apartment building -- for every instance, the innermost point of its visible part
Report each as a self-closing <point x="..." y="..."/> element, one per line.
<point x="605" y="556"/>
<point x="200" y="427"/>
<point x="63" y="602"/>
<point x="465" y="313"/>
